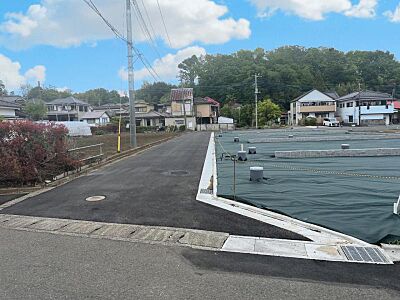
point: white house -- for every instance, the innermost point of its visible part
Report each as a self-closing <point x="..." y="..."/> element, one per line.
<point x="8" y="109"/>
<point x="313" y="104"/>
<point x="94" y="118"/>
<point x="366" y="107"/>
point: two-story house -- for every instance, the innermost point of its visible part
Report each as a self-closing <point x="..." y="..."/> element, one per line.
<point x="207" y="110"/>
<point x="313" y="104"/>
<point x="182" y="109"/>
<point x="67" y="109"/>
<point x="366" y="108"/>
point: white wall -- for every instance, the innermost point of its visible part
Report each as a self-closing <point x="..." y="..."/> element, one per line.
<point x="7" y="112"/>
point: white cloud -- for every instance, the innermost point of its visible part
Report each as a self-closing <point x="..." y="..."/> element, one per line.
<point x="167" y="67"/>
<point x="65" y="23"/>
<point x="316" y="9"/>
<point x="393" y="16"/>
<point x="365" y="9"/>
<point x="10" y="74"/>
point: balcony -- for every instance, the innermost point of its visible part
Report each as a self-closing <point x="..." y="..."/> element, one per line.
<point x="318" y="108"/>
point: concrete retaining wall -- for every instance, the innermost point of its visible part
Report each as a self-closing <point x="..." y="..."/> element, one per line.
<point x="339" y="153"/>
<point x="324" y="138"/>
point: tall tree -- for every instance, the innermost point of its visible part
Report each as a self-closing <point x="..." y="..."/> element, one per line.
<point x="36" y="110"/>
<point x="3" y="91"/>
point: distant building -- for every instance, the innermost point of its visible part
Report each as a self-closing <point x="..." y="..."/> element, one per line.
<point x="313" y="104"/>
<point x="96" y="118"/>
<point x="366" y="107"/>
<point x="9" y="109"/>
<point x="182" y="109"/>
<point x="207" y="110"/>
<point x="151" y="119"/>
<point x="67" y="109"/>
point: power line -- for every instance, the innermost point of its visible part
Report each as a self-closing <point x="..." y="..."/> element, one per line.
<point x="143" y="59"/>
<point x="144" y="28"/>
<point x="165" y="27"/>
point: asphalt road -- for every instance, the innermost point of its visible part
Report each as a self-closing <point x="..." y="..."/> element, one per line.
<point x="142" y="190"/>
<point x="46" y="266"/>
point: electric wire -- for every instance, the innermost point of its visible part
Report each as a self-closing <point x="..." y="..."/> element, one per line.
<point x="142" y="58"/>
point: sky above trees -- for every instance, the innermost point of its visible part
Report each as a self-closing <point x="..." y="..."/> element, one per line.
<point x="64" y="44"/>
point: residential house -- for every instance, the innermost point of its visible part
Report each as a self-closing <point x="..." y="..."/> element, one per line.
<point x="366" y="108"/>
<point x="143" y="107"/>
<point x="150" y="119"/>
<point x="67" y="109"/>
<point x="9" y="110"/>
<point x="207" y="110"/>
<point x="96" y="118"/>
<point x="313" y="104"/>
<point x="182" y="109"/>
<point x="396" y="116"/>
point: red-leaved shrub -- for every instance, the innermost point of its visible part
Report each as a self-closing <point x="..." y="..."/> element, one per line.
<point x="30" y="153"/>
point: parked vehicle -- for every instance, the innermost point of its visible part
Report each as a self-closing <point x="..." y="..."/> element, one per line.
<point x="331" y="122"/>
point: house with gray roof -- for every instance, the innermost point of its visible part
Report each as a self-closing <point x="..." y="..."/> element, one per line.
<point x="366" y="108"/>
<point x="96" y="118"/>
<point x="67" y="109"/>
<point x="313" y="104"/>
<point x="9" y="109"/>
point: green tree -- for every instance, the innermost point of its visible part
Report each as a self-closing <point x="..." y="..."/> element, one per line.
<point x="47" y="94"/>
<point x="154" y="93"/>
<point x="3" y="91"/>
<point x="268" y="112"/>
<point x="189" y="70"/>
<point x="36" y="110"/>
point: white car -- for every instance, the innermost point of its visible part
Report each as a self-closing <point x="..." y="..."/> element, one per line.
<point x="331" y="122"/>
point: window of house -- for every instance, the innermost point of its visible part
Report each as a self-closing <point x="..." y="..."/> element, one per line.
<point x="349" y="104"/>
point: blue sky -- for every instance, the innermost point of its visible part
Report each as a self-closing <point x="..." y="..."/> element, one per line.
<point x="64" y="44"/>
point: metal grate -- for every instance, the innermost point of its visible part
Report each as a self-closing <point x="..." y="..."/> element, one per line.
<point x="364" y="254"/>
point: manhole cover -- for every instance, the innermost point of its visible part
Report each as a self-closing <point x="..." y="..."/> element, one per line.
<point x="176" y="173"/>
<point x="95" y="198"/>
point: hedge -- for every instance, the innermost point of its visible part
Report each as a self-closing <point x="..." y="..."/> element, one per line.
<point x="30" y="152"/>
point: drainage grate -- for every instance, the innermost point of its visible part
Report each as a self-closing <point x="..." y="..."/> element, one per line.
<point x="364" y="254"/>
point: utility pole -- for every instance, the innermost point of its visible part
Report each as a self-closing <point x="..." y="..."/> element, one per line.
<point x="132" y="119"/>
<point x="256" y="96"/>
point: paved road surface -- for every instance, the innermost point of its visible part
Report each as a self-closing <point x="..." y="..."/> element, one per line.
<point x="140" y="190"/>
<point x="46" y="266"/>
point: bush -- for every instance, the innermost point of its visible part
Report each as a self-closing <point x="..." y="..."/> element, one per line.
<point x="182" y="128"/>
<point x="310" y="121"/>
<point x="99" y="132"/>
<point x="31" y="153"/>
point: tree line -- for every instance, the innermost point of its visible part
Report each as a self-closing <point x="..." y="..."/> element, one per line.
<point x="288" y="72"/>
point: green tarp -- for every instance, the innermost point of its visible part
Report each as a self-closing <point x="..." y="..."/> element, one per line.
<point x="354" y="195"/>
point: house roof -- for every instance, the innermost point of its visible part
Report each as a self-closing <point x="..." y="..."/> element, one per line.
<point x="314" y="96"/>
<point x="94" y="115"/>
<point x="11" y="98"/>
<point x="151" y="114"/>
<point x="366" y="96"/>
<point x="68" y="100"/>
<point x="181" y="94"/>
<point x="396" y="104"/>
<point x="9" y="104"/>
<point x="332" y="94"/>
<point x="206" y="100"/>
